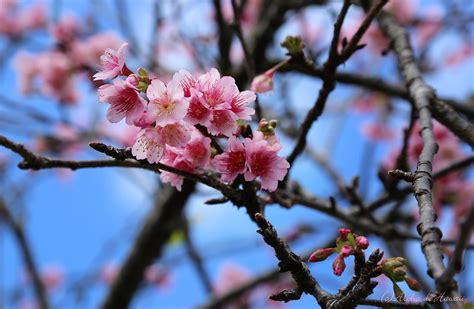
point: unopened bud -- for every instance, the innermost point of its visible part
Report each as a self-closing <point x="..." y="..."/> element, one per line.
<point x="142" y="72"/>
<point x="263" y="82"/>
<point x="321" y="254"/>
<point x="293" y="44"/>
<point x="346" y="251"/>
<point x="338" y="265"/>
<point x="362" y="242"/>
<point x="343" y="233"/>
<point x="412" y="284"/>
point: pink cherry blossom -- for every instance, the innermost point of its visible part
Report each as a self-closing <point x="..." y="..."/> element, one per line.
<point x="262" y="161"/>
<point x="231" y="275"/>
<point x="89" y="51"/>
<point x="55" y="70"/>
<point x="167" y="102"/>
<point x="148" y="145"/>
<point x="223" y="121"/>
<point x="199" y="111"/>
<point x="240" y="102"/>
<point x="32" y="18"/>
<point x="66" y="29"/>
<point x="26" y="65"/>
<point x="112" y="63"/>
<point x="198" y="150"/>
<point x="175" y="160"/>
<point x="232" y="162"/>
<point x="124" y="100"/>
<point x="175" y="134"/>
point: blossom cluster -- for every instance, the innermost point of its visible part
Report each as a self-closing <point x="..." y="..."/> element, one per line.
<point x="55" y="72"/>
<point x="16" y="21"/>
<point x="179" y="119"/>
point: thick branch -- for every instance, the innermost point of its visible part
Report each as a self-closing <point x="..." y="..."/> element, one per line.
<point x="422" y="95"/>
<point x="19" y="234"/>
<point x="164" y="218"/>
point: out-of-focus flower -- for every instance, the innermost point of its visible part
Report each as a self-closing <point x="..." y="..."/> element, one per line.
<point x="109" y="273"/>
<point x="377" y="131"/>
<point x="263" y="82"/>
<point x="67" y="29"/>
<point x="52" y="277"/>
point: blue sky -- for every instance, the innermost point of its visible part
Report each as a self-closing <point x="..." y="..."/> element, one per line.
<point x="91" y="218"/>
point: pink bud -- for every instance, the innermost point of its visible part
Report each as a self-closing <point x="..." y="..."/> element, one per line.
<point x="343" y="233"/>
<point x="338" y="265"/>
<point x="321" y="254"/>
<point x="412" y="284"/>
<point x="362" y="242"/>
<point x="346" y="250"/>
<point x="133" y="80"/>
<point x="263" y="82"/>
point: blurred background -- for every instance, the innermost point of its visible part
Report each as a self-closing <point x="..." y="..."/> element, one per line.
<point x="81" y="226"/>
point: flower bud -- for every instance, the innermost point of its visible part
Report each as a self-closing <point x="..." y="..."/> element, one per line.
<point x="338" y="265"/>
<point x="412" y="284"/>
<point x="263" y="82"/>
<point x="293" y="44"/>
<point x="343" y="233"/>
<point x="346" y="250"/>
<point x="395" y="268"/>
<point x="321" y="254"/>
<point x="362" y="242"/>
<point x="133" y="80"/>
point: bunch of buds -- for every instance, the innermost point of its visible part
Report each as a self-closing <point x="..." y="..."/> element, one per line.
<point x="347" y="244"/>
<point x="396" y="270"/>
<point x="267" y="127"/>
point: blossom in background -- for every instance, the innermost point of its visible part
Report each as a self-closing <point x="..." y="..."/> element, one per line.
<point x="377" y="131"/>
<point x="263" y="82"/>
<point x="230" y="276"/>
<point x="108" y="273"/>
<point x="124" y="100"/>
<point x="112" y="63"/>
<point x="66" y="30"/>
<point x="52" y="277"/>
<point x="88" y="52"/>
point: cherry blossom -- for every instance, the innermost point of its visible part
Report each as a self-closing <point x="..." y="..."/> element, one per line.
<point x="124" y="100"/>
<point x="232" y="162"/>
<point x="167" y="102"/>
<point x="148" y="145"/>
<point x="112" y="63"/>
<point x="262" y="161"/>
